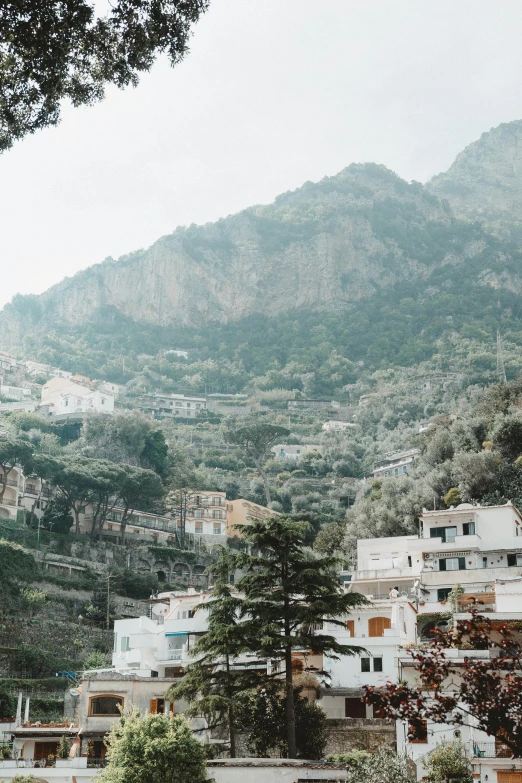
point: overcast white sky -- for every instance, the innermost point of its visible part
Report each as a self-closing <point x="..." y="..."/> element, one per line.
<point x="273" y="93"/>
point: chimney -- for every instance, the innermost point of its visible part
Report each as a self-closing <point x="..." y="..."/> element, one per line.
<point x="191" y="590"/>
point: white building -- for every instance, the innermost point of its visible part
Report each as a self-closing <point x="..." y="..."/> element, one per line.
<point x="294" y="452"/>
<point x="65" y="398"/>
<point x="7" y="362"/>
<point x="116" y="389"/>
<point x="335" y="425"/>
<point x="162" y="406"/>
<point x="14" y="392"/>
<point x="381" y="628"/>
<point x="395" y="465"/>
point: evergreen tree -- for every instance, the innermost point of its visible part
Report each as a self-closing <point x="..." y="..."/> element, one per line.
<point x="213" y="683"/>
<point x="290" y="592"/>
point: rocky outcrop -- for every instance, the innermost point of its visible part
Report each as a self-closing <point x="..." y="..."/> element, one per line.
<point x="485" y="181"/>
<point x="320" y="246"/>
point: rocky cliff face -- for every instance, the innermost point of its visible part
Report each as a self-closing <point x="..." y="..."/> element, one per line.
<point x="321" y="246"/>
<point x="485" y="181"/>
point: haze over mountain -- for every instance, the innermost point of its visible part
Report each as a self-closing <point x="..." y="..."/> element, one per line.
<point x="389" y="265"/>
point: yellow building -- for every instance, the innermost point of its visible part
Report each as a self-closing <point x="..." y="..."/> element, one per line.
<point x="244" y="512"/>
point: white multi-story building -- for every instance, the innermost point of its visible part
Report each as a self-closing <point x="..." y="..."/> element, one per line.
<point x="395" y="465"/>
<point x="64" y="397"/>
<point x="295" y="452"/>
<point x="162" y="406"/>
<point x="336" y="425"/>
<point x="478" y="548"/>
<point x="14" y="392"/>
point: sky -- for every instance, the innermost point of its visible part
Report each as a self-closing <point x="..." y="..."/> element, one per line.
<point x="273" y="93"/>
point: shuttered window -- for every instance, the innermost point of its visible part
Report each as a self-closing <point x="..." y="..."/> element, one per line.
<point x="377" y="625"/>
<point x="350" y="626"/>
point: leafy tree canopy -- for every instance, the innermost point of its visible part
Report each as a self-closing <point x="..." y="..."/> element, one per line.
<point x="153" y="749"/>
<point x="54" y="50"/>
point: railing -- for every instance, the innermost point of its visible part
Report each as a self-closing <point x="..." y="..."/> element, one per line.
<point x="492" y="750"/>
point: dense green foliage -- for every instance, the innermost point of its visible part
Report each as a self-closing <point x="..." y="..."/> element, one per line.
<point x="470" y="458"/>
<point x="262" y="714"/>
<point x="153" y="749"/>
<point x="448" y="762"/>
<point x="289" y="594"/>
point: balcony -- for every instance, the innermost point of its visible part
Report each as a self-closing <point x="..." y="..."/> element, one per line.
<point x="484" y="602"/>
<point x="430" y="545"/>
<point x="383" y="573"/>
<point x="491" y="750"/>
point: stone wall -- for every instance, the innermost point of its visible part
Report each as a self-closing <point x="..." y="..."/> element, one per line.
<point x="345" y="734"/>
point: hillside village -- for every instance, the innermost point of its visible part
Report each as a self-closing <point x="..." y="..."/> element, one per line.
<point x="129" y="583"/>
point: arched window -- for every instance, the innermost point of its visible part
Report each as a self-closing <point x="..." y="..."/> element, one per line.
<point x="377" y="625"/>
<point x="105" y="706"/>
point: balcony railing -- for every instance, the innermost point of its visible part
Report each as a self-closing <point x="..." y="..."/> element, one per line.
<point x="492" y="750"/>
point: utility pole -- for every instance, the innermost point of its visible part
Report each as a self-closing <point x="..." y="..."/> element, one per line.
<point x="501" y="370"/>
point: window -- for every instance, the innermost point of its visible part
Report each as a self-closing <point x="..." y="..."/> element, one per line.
<point x="42" y="750"/>
<point x="125" y="644"/>
<point x="468" y="529"/>
<point x="442" y="593"/>
<point x="105" y="705"/>
<point x="377" y="625"/>
<point x="377" y="664"/>
<point x="484" y="562"/>
<point x="365" y="664"/>
<point x="396" y="471"/>
<point x="514" y="560"/>
<point x="350" y="626"/>
<point x="418" y="731"/>
<point x="409" y="561"/>
<point x="447" y="534"/>
<point x="199" y="527"/>
<point x="198" y="513"/>
<point x="354" y="708"/>
<point x="157" y="707"/>
<point x="452" y="564"/>
<point x="404" y="468"/>
<point x="217" y="529"/>
<point x="217" y="514"/>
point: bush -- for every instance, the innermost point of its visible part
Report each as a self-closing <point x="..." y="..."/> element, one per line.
<point x="153" y="749"/>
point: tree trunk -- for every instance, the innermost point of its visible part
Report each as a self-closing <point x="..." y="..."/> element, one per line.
<point x="264" y="478"/>
<point x="232" y="731"/>
<point x="231" y="727"/>
<point x="76" y="512"/>
<point x="289" y="705"/>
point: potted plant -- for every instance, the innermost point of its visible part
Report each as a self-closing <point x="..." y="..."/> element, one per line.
<point x="6" y="758"/>
<point x="63" y="752"/>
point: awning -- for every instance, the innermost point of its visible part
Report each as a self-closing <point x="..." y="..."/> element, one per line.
<point x="177" y="634"/>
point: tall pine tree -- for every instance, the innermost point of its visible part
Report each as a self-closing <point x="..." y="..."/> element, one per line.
<point x="220" y="672"/>
<point x="290" y="593"/>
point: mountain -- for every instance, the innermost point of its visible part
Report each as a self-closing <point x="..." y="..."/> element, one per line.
<point x="361" y="266"/>
<point x="485" y="181"/>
